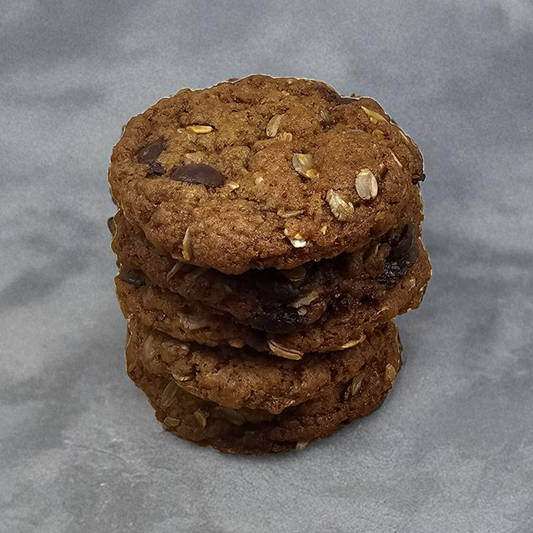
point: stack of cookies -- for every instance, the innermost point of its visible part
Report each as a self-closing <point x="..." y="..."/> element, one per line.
<point x="268" y="232"/>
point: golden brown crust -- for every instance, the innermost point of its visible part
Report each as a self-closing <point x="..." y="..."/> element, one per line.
<point x="344" y="297"/>
<point x="259" y="432"/>
<point x="242" y="378"/>
<point x="273" y="210"/>
<point x="189" y="320"/>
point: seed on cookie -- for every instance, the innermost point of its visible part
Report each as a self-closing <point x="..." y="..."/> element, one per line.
<point x="341" y="209"/>
<point x="405" y="138"/>
<point x="199" y="129"/>
<point x="395" y="157"/>
<point x="366" y="184"/>
<point x="187" y="245"/>
<point x="237" y="343"/>
<point x="193" y="158"/>
<point x="171" y="422"/>
<point x="374" y="116"/>
<point x="151" y="152"/>
<point x="289" y="214"/>
<point x="354" y="387"/>
<point x="232" y="185"/>
<point x="174" y="270"/>
<point x="232" y="416"/>
<point x="296" y="240"/>
<point x="148" y="351"/>
<point x="182" y="378"/>
<point x="301" y="445"/>
<point x="199" y="174"/>
<point x="169" y="392"/>
<point x="381" y="171"/>
<point x="303" y="164"/>
<point x="390" y="375"/>
<point x="273" y="125"/>
<point x="352" y="343"/>
<point x="378" y="133"/>
<point x="295" y="274"/>
<point x="326" y="119"/>
<point x="286" y="136"/>
<point x="281" y="351"/>
<point x="201" y="418"/>
<point x="371" y="252"/>
<point x="304" y="300"/>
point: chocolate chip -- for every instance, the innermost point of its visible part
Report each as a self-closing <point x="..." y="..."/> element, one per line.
<point x="403" y="255"/>
<point x="328" y="93"/>
<point x="403" y="246"/>
<point x="272" y="287"/>
<point x="155" y="170"/>
<point x="342" y="304"/>
<point x="133" y="277"/>
<point x="279" y="320"/>
<point x="418" y="179"/>
<point x="111" y="226"/>
<point x="199" y="174"/>
<point x="151" y="152"/>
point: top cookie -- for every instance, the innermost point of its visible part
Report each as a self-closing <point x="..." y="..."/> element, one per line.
<point x="263" y="172"/>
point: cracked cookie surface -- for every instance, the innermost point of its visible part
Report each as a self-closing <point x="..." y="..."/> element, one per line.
<point x="263" y="172"/>
<point x="258" y="431"/>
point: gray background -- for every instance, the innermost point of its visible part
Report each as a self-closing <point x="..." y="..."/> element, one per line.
<point x="452" y="449"/>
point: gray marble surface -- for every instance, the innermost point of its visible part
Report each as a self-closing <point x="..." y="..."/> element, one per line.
<point x="451" y="450"/>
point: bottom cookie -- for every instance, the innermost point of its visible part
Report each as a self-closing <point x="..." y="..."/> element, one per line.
<point x="256" y="431"/>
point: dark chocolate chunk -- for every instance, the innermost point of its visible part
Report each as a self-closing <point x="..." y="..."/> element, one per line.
<point x="111" y="226"/>
<point x="418" y="179"/>
<point x="403" y="255"/>
<point x="342" y="304"/>
<point x="155" y="170"/>
<point x="279" y="320"/>
<point x="199" y="174"/>
<point x="151" y="152"/>
<point x="328" y="93"/>
<point x="404" y="245"/>
<point x="271" y="286"/>
<point x="133" y="277"/>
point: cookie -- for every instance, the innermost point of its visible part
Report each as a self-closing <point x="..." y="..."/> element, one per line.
<point x="264" y="173"/>
<point x="339" y="326"/>
<point x="180" y="317"/>
<point x="257" y="431"/>
<point x="283" y="302"/>
<point x="242" y="378"/>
